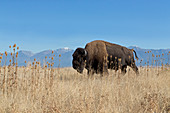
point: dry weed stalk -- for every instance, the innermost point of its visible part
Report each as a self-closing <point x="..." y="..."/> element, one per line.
<point x="16" y="68"/>
<point x="0" y="70"/>
<point x="162" y="61"/>
<point x="5" y="76"/>
<point x="153" y="56"/>
<point x="169" y="58"/>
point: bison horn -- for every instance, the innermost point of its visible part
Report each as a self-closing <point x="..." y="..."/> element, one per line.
<point x="85" y="52"/>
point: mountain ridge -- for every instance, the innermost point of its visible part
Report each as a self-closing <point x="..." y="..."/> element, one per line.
<point x="66" y="56"/>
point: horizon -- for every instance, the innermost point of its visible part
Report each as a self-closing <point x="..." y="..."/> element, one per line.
<point x="66" y="48"/>
<point x="41" y="25"/>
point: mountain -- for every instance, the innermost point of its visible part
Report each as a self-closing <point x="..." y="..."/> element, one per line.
<point x="65" y="59"/>
<point x="152" y="56"/>
<point x="66" y="56"/>
<point x="26" y="53"/>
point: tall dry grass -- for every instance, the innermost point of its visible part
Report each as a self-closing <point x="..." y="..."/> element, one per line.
<point x="69" y="91"/>
<point x="36" y="89"/>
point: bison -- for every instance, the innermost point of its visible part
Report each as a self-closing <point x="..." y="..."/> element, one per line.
<point x="99" y="56"/>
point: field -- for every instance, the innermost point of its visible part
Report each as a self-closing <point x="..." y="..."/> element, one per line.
<point x="33" y="89"/>
<point x="45" y="89"/>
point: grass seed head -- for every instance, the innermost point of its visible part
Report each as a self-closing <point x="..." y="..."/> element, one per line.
<point x="6" y="53"/>
<point x="119" y="59"/>
<point x="153" y="55"/>
<point x="14" y="45"/>
<point x="36" y="66"/>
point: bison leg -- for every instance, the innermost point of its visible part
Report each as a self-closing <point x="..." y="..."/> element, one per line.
<point x="103" y="68"/>
<point x="104" y="72"/>
<point x="90" y="72"/>
<point x="89" y="67"/>
<point x="123" y="69"/>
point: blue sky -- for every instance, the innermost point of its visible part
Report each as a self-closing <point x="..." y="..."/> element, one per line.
<point x="38" y="25"/>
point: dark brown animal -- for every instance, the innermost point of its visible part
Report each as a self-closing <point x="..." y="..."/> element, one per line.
<point x="99" y="56"/>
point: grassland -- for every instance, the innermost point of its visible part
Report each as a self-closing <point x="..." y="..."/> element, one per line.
<point x="33" y="89"/>
<point x="44" y="89"/>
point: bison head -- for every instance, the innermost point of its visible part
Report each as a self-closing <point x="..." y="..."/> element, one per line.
<point x="79" y="58"/>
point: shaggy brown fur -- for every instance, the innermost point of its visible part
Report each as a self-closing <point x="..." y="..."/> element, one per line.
<point x="101" y="56"/>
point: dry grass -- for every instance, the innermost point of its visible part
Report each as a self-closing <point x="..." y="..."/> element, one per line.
<point x="63" y="90"/>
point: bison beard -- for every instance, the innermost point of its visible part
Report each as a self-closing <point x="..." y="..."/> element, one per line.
<point x="99" y="56"/>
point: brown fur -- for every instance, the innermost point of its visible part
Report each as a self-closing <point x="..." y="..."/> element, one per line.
<point x="104" y="55"/>
<point x="96" y="51"/>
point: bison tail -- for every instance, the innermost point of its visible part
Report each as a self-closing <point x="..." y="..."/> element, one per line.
<point x="135" y="54"/>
